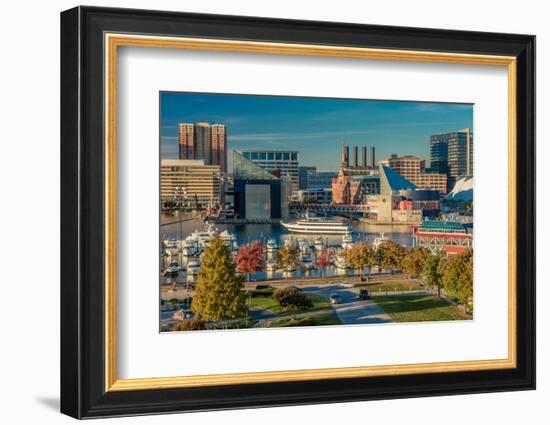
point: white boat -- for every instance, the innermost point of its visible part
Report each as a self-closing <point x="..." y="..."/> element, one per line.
<point x="318" y="226"/>
<point x="319" y="243"/>
<point x="271" y="246"/>
<point x="379" y="241"/>
<point x="171" y="247"/>
<point x="271" y="267"/>
<point x="340" y="262"/>
<point x="230" y="240"/>
<point x="347" y="241"/>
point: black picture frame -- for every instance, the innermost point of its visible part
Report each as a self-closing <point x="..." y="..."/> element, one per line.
<point x="82" y="212"/>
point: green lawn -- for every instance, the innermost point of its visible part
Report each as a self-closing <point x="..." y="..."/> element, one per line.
<point x="419" y="309"/>
<point x="271" y="304"/>
<point x="390" y="286"/>
<point x="308" y="321"/>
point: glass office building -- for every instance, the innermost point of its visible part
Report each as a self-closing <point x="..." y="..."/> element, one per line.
<point x="285" y="161"/>
<point x="452" y="154"/>
<point x="257" y="193"/>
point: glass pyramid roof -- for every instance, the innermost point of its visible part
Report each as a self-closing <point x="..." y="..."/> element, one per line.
<point x="245" y="169"/>
<point x="390" y="181"/>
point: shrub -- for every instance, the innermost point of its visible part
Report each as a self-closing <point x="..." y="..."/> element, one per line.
<point x="190" y="325"/>
<point x="292" y="297"/>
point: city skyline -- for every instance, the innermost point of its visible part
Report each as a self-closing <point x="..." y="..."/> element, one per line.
<point x="316" y="127"/>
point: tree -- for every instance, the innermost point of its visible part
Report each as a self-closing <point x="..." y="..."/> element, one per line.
<point x="292" y="297"/>
<point x="219" y="293"/>
<point x="360" y="256"/>
<point x="323" y="260"/>
<point x="390" y="255"/>
<point x="457" y="277"/>
<point x="189" y="325"/>
<point x="414" y="261"/>
<point x="432" y="275"/>
<point x="250" y="258"/>
<point x="287" y="258"/>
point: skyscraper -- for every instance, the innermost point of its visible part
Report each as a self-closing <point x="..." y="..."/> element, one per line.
<point x="219" y="142"/>
<point x="186" y="141"/>
<point x="204" y="141"/>
<point x="452" y="153"/>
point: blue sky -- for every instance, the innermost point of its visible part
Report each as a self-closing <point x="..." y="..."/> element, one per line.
<point x="316" y="127"/>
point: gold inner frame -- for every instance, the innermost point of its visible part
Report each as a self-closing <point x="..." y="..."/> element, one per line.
<point x="113" y="41"/>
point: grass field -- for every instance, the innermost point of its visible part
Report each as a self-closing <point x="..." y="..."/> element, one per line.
<point x="308" y="321"/>
<point x="389" y="286"/>
<point x="271" y="304"/>
<point x="419" y="309"/>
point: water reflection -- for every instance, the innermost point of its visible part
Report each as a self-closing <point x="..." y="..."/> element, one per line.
<point x="172" y="228"/>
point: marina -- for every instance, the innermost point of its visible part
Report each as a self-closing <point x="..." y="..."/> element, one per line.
<point x="183" y="241"/>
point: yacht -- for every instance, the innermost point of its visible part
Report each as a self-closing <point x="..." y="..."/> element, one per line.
<point x="347" y="241"/>
<point x="379" y="241"/>
<point x="318" y="226"/>
<point x="340" y="262"/>
<point x="271" y="246"/>
<point x="230" y="240"/>
<point x="319" y="243"/>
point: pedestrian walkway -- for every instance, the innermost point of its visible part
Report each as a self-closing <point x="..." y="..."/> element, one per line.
<point x="361" y="312"/>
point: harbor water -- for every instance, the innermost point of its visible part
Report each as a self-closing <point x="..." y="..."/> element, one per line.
<point x="173" y="227"/>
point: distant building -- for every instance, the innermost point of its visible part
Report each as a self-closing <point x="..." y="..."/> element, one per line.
<point x="285" y="161"/>
<point x="204" y="141"/>
<point x="447" y="236"/>
<point x="353" y="188"/>
<point x="452" y="154"/>
<point x="313" y="196"/>
<point x="191" y="182"/>
<point x="400" y="201"/>
<point x="303" y="175"/>
<point x="258" y="194"/>
<point x="320" y="179"/>
<point x="413" y="169"/>
<point x="353" y="183"/>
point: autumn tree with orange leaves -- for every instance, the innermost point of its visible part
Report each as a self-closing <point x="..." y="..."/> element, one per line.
<point x="323" y="260"/>
<point x="250" y="258"/>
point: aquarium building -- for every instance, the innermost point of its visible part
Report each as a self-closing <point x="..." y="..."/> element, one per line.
<point x="257" y="193"/>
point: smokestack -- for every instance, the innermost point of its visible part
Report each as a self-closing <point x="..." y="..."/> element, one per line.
<point x="363" y="156"/>
<point x="355" y="156"/>
<point x="372" y="157"/>
<point x="345" y="155"/>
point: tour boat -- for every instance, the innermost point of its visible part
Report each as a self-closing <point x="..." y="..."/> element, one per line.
<point x="318" y="226"/>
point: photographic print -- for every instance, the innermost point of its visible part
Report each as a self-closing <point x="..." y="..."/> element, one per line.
<point x="283" y="211"/>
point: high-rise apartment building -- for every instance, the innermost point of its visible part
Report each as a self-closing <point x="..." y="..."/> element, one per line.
<point x="219" y="146"/>
<point x="204" y="141"/>
<point x="453" y="154"/>
<point x="284" y="161"/>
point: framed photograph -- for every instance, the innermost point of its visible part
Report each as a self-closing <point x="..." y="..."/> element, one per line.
<point x="261" y="212"/>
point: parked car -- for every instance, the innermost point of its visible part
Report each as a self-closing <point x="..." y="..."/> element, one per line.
<point x="347" y="285"/>
<point x="364" y="294"/>
<point x="335" y="299"/>
<point x="263" y="287"/>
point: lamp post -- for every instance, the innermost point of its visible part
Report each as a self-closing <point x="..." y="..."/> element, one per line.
<point x="181" y="194"/>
